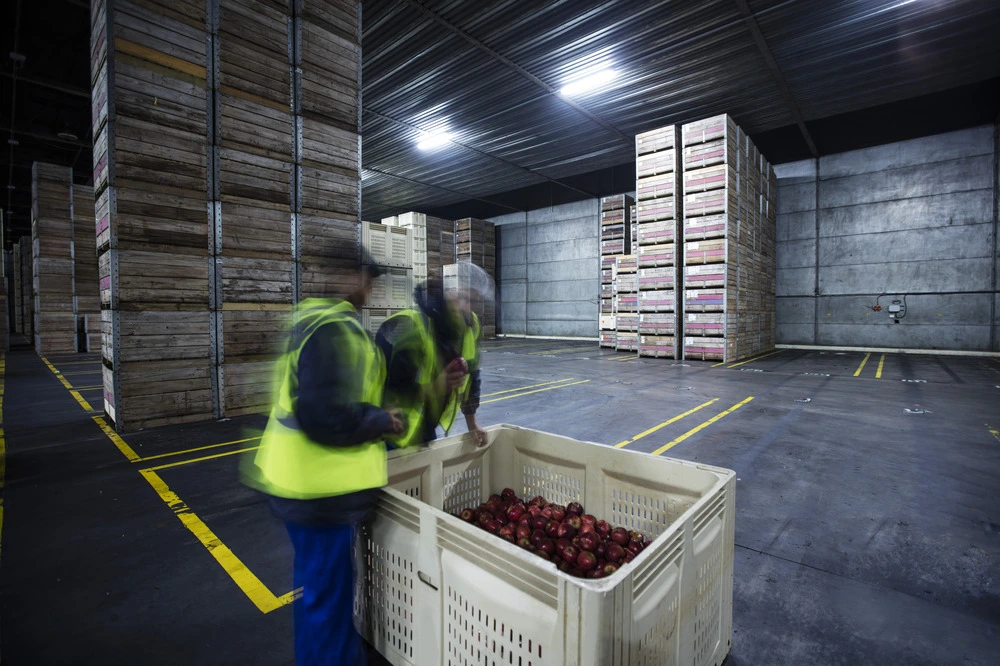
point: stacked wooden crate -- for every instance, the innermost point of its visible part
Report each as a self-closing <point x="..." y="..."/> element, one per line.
<point x="52" y="256"/>
<point x="25" y="284"/>
<point x="626" y="290"/>
<point x="475" y="241"/>
<point x="728" y="244"/>
<point x="14" y="289"/>
<point x="616" y="241"/>
<point x="86" y="284"/>
<point x="658" y="210"/>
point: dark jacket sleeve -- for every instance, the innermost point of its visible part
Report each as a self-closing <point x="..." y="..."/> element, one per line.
<point x="324" y="380"/>
<point x="471" y="403"/>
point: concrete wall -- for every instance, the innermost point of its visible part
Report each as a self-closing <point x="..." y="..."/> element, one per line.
<point x="915" y="217"/>
<point x="549" y="262"/>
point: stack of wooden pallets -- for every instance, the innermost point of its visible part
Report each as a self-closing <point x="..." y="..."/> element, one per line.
<point x="227" y="137"/>
<point x="658" y="207"/>
<point x="626" y="290"/>
<point x="729" y="242"/>
<point x="617" y="238"/>
<point x="86" y="284"/>
<point x="27" y="289"/>
<point x="52" y="258"/>
<point x="475" y="241"/>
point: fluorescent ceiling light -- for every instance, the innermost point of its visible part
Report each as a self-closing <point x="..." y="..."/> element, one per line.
<point x="589" y="83"/>
<point x="430" y="141"/>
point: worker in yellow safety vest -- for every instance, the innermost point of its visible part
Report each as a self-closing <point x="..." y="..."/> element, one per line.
<point x="322" y="460"/>
<point x="432" y="356"/>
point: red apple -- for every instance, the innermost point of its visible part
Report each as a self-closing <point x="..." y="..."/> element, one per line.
<point x="523" y="532"/>
<point x="539" y="501"/>
<point x="565" y="531"/>
<point x="615" y="552"/>
<point x="601" y="551"/>
<point x="634" y="547"/>
<point x="493" y="497"/>
<point x="501" y="518"/>
<point x="468" y="515"/>
<point x="620" y="536"/>
<point x="573" y="521"/>
<point x="509" y="529"/>
<point x="587" y="528"/>
<point x="552" y="528"/>
<point x="596" y="572"/>
<point x="536" y="536"/>
<point x="570" y="553"/>
<point x="588" y="519"/>
<point x="589" y="541"/>
<point x="564" y="566"/>
<point x="524" y="520"/>
<point x="586" y="561"/>
<point x="574" y="508"/>
<point x="634" y="535"/>
<point x="538" y="522"/>
<point x="547" y="512"/>
<point x="515" y="512"/>
<point x="525" y="543"/>
<point x="485" y="517"/>
<point x="629" y="556"/>
<point x="493" y="526"/>
<point x="561" y="545"/>
<point x="508" y="494"/>
<point x="533" y="510"/>
<point x="546" y="546"/>
<point x="603" y="528"/>
<point x="544" y="556"/>
<point x="610" y="568"/>
<point x="575" y="541"/>
<point x="558" y="512"/>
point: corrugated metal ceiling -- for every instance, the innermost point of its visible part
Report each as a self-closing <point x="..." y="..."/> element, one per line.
<point x="487" y="72"/>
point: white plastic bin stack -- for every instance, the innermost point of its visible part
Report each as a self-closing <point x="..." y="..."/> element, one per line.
<point x="658" y="210"/>
<point x="437" y="590"/>
<point x="429" y="235"/>
<point x="729" y="243"/>
<point x="391" y="247"/>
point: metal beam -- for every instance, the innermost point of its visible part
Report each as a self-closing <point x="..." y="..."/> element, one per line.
<point x="483" y="153"/>
<point x="779" y="78"/>
<point x="437" y="18"/>
<point x="52" y="137"/>
<point x="51" y="85"/>
<point x="439" y="187"/>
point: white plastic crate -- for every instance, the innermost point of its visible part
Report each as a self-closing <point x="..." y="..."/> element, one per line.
<point x="607" y="322"/>
<point x="394" y="289"/>
<point x="438" y="591"/>
<point x="388" y="245"/>
<point x="373" y="318"/>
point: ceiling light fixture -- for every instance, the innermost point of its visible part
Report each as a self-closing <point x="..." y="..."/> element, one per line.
<point x="432" y="140"/>
<point x="67" y="136"/>
<point x="589" y="83"/>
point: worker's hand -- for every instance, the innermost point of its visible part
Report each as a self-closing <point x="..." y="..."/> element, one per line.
<point x="454" y="373"/>
<point x="478" y="434"/>
<point x="398" y="424"/>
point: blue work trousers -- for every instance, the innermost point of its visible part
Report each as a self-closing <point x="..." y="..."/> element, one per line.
<point x="324" y="615"/>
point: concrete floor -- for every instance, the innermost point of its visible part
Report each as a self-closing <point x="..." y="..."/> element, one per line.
<point x="867" y="529"/>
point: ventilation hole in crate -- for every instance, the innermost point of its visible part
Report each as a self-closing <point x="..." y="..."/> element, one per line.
<point x="649" y="515"/>
<point x="474" y="637"/>
<point x="659" y="646"/>
<point x="388" y="581"/>
<point x="554" y="486"/>
<point x="708" y="583"/>
<point x="462" y="489"/>
<point x="409" y="487"/>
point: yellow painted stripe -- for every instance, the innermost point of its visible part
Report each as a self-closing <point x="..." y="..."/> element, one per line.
<point x="699" y="428"/>
<point x="194" y="460"/>
<point x="993" y="431"/>
<point x="550" y="388"/>
<point x="83" y="403"/>
<point x="878" y="371"/>
<point x="245" y="579"/>
<point x="862" y="366"/>
<point x="521" y="388"/>
<point x="664" y="424"/>
<point x="59" y="375"/>
<point x="627" y="358"/>
<point x="200" y="448"/>
<point x="118" y="441"/>
<point x="756" y="358"/>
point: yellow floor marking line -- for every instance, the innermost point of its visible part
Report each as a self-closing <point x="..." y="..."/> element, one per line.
<point x="699" y="428"/>
<point x="116" y="440"/>
<point x="756" y="358"/>
<point x="550" y="388"/>
<point x="203" y="458"/>
<point x="68" y="386"/>
<point x="993" y="431"/>
<point x="627" y="358"/>
<point x="256" y="591"/>
<point x="521" y="388"/>
<point x="665" y="424"/>
<point x="878" y="371"/>
<point x="862" y="366"/>
<point x="199" y="448"/>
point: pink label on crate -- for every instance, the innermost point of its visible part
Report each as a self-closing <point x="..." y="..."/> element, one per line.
<point x="99" y="168"/>
<point x="706" y="181"/>
<point x="662" y="235"/>
<point x="691" y="254"/>
<point x="706" y="298"/>
<point x="106" y="282"/>
<point x="103" y="223"/>
<point x="707" y="227"/>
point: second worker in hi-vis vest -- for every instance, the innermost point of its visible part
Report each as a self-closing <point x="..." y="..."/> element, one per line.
<point x="433" y="357"/>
